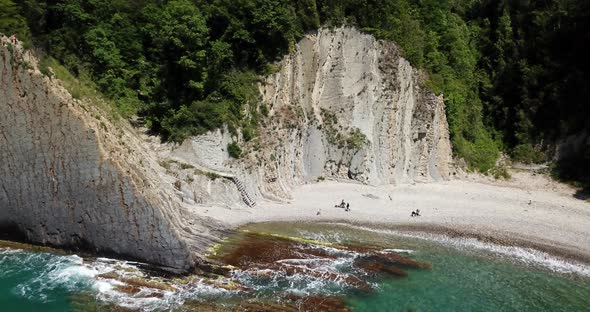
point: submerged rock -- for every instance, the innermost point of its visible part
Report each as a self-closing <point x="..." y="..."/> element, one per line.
<point x="375" y="254"/>
<point x="270" y="257"/>
<point x="132" y="282"/>
<point x="377" y="267"/>
<point x="319" y="303"/>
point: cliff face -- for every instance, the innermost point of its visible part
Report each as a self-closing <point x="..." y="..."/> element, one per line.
<point x="343" y="82"/>
<point x="346" y="105"/>
<point x="342" y="105"/>
<point x="70" y="177"/>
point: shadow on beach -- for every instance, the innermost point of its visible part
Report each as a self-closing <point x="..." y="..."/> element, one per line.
<point x="583" y="193"/>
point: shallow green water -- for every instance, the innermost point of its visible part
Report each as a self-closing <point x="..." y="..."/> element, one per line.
<point x="466" y="276"/>
<point x="466" y="283"/>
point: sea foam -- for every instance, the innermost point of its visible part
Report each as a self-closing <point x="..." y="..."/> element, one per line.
<point x="524" y="255"/>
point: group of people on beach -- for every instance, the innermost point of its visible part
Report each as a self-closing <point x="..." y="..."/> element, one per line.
<point x="344" y="205"/>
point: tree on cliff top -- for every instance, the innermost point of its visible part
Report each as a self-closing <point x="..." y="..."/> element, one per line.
<point x="513" y="73"/>
<point x="12" y="21"/>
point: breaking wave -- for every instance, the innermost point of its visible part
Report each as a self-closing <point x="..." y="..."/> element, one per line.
<point x="322" y="271"/>
<point x="44" y="273"/>
<point x="528" y="256"/>
<point x="43" y="276"/>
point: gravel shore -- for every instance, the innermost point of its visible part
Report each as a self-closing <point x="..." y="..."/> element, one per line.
<point x="530" y="210"/>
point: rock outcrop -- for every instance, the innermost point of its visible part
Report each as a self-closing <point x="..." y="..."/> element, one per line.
<point x="360" y="112"/>
<point x="71" y="176"/>
<point x="342" y="105"/>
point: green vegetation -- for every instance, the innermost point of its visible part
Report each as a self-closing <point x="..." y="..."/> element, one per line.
<point x="185" y="66"/>
<point x="514" y="74"/>
<point x="212" y="175"/>
<point x="527" y="154"/>
<point x="234" y="150"/>
<point x="44" y="67"/>
<point x="500" y="172"/>
<point x="434" y="36"/>
<point x="184" y="166"/>
<point x="79" y="87"/>
<point x="12" y="21"/>
<point x="166" y="164"/>
<point x="354" y="140"/>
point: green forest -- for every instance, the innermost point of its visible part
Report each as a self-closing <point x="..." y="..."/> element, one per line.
<point x="515" y="74"/>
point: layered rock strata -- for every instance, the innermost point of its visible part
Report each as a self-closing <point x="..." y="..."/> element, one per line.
<point x="342" y="105"/>
<point x="71" y="175"/>
<point x="360" y="110"/>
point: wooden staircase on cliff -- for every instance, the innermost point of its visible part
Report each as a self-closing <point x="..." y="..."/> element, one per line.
<point x="245" y="197"/>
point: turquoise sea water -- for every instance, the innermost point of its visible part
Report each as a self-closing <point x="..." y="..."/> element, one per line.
<point x="37" y="281"/>
<point x="467" y="275"/>
<point x="460" y="282"/>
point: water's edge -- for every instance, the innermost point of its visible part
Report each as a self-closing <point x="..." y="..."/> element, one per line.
<point x="45" y="277"/>
<point x="527" y="252"/>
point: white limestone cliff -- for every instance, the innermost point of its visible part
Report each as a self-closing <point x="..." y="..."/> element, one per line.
<point x="70" y="176"/>
<point x="343" y="105"/>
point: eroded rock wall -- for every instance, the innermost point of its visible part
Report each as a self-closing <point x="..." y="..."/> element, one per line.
<point x="342" y="105"/>
<point x="70" y="176"/>
<point x="346" y="105"/>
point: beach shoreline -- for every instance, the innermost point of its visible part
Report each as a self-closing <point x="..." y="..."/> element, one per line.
<point x="530" y="211"/>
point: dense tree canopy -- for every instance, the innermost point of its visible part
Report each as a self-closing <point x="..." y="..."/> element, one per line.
<point x="514" y="74"/>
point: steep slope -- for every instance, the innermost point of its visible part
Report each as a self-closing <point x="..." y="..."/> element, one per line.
<point x="343" y="105"/>
<point x="71" y="177"/>
<point x="341" y="81"/>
